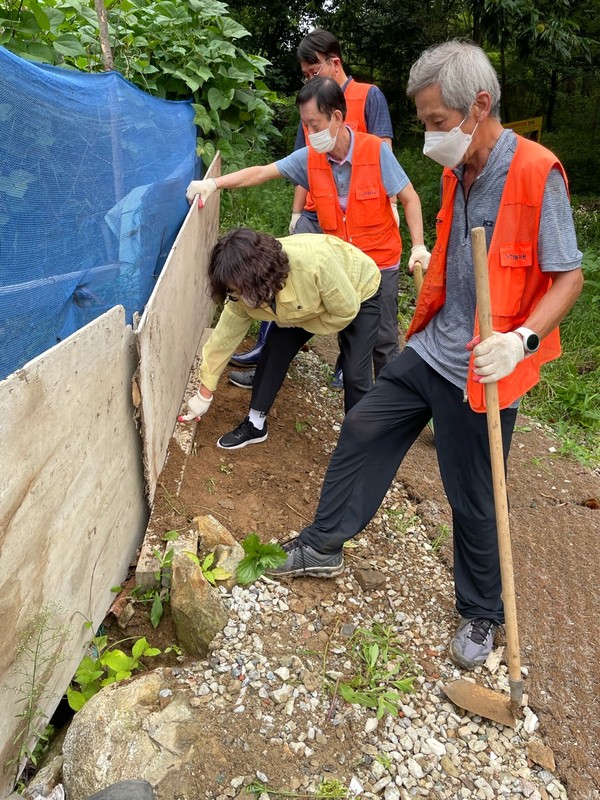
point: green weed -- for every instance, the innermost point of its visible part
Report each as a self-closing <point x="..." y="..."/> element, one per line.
<point x="38" y="653"/>
<point x="259" y="557"/>
<point x="300" y="427"/>
<point x="210" y="572"/>
<point x="384" y="672"/>
<point x="105" y="665"/>
<point x="328" y="788"/>
<point x="442" y="535"/>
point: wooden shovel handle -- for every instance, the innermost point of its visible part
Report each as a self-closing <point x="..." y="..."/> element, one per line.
<point x="418" y="276"/>
<point x="484" y="313"/>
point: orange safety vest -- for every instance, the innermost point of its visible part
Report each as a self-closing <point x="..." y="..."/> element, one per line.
<point x="368" y="223"/>
<point x="517" y="283"/>
<point x="355" y="95"/>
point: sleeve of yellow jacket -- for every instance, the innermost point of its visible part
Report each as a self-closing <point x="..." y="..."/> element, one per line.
<point x="229" y="331"/>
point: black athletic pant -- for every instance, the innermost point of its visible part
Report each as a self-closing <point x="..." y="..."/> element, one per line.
<point x="375" y="437"/>
<point x="356" y="342"/>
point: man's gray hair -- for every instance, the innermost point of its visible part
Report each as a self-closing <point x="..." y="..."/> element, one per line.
<point x="461" y="70"/>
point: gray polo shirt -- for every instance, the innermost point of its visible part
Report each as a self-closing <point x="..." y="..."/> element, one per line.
<point x="442" y="343"/>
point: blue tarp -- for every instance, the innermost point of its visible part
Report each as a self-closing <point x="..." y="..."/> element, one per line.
<point x="93" y="173"/>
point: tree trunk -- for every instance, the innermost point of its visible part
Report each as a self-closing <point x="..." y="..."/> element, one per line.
<point x="107" y="57"/>
<point x="552" y="100"/>
<point x="504" y="84"/>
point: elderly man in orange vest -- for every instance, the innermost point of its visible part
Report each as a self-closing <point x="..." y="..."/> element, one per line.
<point x="517" y="191"/>
<point x="352" y="177"/>
<point x="319" y="54"/>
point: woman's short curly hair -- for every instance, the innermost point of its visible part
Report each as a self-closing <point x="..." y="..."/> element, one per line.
<point x="251" y="262"/>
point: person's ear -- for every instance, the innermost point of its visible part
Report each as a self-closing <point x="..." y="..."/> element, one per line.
<point x="482" y="106"/>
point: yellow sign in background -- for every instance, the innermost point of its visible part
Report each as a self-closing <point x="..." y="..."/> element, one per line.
<point x="525" y="126"/>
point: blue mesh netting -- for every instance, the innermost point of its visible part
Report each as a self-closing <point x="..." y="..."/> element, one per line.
<point x="93" y="174"/>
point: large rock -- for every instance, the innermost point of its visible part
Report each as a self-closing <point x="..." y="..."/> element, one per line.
<point x="123" y="733"/>
<point x="196" y="607"/>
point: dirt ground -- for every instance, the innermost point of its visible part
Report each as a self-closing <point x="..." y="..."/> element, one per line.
<point x="273" y="489"/>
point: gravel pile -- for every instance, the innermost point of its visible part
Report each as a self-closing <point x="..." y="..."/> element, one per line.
<point x="286" y="647"/>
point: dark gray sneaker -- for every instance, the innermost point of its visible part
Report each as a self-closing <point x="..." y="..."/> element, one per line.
<point x="473" y="641"/>
<point x="304" y="560"/>
<point x="244" y="380"/>
<point x="245" y="433"/>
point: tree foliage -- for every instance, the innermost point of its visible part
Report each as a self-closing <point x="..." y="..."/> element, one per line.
<point x="175" y="50"/>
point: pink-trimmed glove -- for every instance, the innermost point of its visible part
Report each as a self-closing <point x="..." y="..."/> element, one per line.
<point x="197" y="407"/>
<point x="419" y="253"/>
<point x="203" y="188"/>
<point x="497" y="356"/>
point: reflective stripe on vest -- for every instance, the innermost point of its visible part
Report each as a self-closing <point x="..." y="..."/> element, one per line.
<point x="369" y="223"/>
<point x="517" y="283"/>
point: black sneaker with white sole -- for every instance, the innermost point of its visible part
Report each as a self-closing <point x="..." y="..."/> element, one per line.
<point x="245" y="433"/>
<point x="305" y="560"/>
<point x="244" y="380"/>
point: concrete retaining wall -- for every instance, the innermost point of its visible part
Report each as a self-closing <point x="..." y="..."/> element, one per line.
<point x="85" y="429"/>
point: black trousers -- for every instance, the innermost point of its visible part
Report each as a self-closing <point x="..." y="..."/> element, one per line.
<point x="356" y="345"/>
<point x="375" y="437"/>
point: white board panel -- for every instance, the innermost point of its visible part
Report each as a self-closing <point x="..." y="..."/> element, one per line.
<point x="170" y="330"/>
<point x="72" y="504"/>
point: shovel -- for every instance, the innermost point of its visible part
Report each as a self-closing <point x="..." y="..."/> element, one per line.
<point x="479" y="699"/>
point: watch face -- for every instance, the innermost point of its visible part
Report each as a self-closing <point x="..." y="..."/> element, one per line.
<point x="532" y="342"/>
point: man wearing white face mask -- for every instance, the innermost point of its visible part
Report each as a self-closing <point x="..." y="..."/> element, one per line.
<point x="516" y="190"/>
<point x="352" y="177"/>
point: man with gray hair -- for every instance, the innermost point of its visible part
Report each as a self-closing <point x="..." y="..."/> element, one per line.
<point x="517" y="191"/>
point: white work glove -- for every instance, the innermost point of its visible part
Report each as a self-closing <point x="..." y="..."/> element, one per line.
<point x="497" y="356"/>
<point x="203" y="188"/>
<point x="395" y="213"/>
<point x="419" y="254"/>
<point x="197" y="407"/>
<point x="294" y="221"/>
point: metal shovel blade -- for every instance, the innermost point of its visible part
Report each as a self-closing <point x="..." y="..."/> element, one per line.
<point x="481" y="701"/>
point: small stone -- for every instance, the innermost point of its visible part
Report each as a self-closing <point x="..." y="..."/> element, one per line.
<point x="530" y="722"/>
<point x="541" y="754"/>
<point x="449" y="767"/>
<point x="371" y="724"/>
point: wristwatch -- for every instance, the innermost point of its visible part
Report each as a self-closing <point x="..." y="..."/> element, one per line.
<point x="531" y="341"/>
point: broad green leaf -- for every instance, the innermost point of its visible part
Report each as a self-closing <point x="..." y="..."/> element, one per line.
<point x="68" y="45"/>
<point x="208" y="561"/>
<point x="139" y="647"/>
<point x="247" y="571"/>
<point x="41" y="17"/>
<point x="75" y="699"/>
<point x="156" y="612"/>
<point x="117" y="660"/>
<point x="171" y="536"/>
<point x="220" y="574"/>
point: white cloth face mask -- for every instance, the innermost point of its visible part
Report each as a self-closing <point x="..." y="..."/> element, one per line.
<point x="448" y="148"/>
<point x="323" y="141"/>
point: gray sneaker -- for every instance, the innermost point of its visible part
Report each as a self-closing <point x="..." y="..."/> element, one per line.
<point x="472" y="642"/>
<point x="245" y="380"/>
<point x="304" y="560"/>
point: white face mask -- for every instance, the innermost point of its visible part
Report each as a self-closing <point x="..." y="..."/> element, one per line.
<point x="323" y="141"/>
<point x="448" y="148"/>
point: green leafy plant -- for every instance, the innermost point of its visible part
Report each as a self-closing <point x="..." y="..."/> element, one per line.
<point x="384" y="671"/>
<point x="105" y="665"/>
<point x="442" y="535"/>
<point x="330" y="787"/>
<point x="210" y="572"/>
<point x="259" y="557"/>
<point x="157" y="597"/>
<point x="38" y="654"/>
<point x="300" y="427"/>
